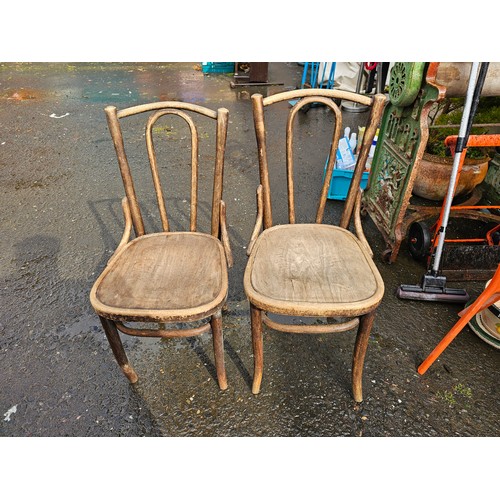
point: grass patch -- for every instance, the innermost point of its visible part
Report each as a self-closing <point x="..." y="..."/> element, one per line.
<point x="458" y="394"/>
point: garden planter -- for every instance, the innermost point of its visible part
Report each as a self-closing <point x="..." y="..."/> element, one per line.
<point x="434" y="174"/>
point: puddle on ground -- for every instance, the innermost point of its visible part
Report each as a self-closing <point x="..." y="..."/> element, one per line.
<point x="22" y="94"/>
<point x="107" y="96"/>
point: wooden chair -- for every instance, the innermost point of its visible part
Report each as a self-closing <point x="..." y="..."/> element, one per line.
<point x="166" y="277"/>
<point x="312" y="270"/>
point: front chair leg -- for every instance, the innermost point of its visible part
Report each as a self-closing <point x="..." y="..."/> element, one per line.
<point x="364" y="329"/>
<point x="218" y="340"/>
<point x="117" y="347"/>
<point x="258" y="351"/>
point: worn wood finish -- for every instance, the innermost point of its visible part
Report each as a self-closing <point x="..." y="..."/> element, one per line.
<point x="314" y="269"/>
<point x="258" y="347"/>
<point x="218" y="341"/>
<point x="221" y="136"/>
<point x="154" y="167"/>
<point x="127" y="231"/>
<point x="331" y="158"/>
<point x="116" y="134"/>
<point x="377" y="110"/>
<point x="153" y="106"/>
<point x="329" y="93"/>
<point x="162" y="332"/>
<point x="362" y="337"/>
<point x="258" y="220"/>
<point x="260" y="132"/>
<point x="166" y="278"/>
<point x="224" y="235"/>
<point x="328" y="328"/>
<point x="115" y="342"/>
<point x="358" y="226"/>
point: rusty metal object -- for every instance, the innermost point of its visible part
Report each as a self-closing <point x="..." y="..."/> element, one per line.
<point x="434" y="176"/>
<point x="485" y="260"/>
<point x="416" y="212"/>
<point x="455" y="76"/>
<point x="492" y="180"/>
<point x="401" y="145"/>
<point x="476" y="260"/>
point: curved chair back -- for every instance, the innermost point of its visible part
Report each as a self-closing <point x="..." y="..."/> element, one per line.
<point x="157" y="110"/>
<point x="303" y="98"/>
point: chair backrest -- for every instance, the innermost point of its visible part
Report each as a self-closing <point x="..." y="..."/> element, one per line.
<point x="304" y="97"/>
<point x="157" y="110"/>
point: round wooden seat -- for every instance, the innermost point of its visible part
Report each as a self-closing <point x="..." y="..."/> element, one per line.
<point x="312" y="269"/>
<point x="162" y="277"/>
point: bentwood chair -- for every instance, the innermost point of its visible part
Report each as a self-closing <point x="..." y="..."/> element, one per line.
<point x="166" y="278"/>
<point x="312" y="270"/>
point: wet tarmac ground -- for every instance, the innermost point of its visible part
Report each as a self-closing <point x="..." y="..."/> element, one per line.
<point x="61" y="220"/>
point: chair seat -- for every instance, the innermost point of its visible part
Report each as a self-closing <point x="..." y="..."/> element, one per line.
<point x="312" y="270"/>
<point x="163" y="277"/>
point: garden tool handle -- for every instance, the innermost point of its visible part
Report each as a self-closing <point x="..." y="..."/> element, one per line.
<point x="473" y="89"/>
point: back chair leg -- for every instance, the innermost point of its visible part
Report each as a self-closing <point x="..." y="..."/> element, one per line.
<point x="218" y="340"/>
<point x="117" y="347"/>
<point x="258" y="357"/>
<point x="364" y="329"/>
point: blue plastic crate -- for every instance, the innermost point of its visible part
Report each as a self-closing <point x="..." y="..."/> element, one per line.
<point x="217" y="67"/>
<point x="341" y="181"/>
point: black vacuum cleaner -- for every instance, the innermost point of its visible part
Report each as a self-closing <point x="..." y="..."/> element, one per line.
<point x="433" y="285"/>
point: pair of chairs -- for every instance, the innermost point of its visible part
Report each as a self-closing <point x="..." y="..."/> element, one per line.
<point x="306" y="270"/>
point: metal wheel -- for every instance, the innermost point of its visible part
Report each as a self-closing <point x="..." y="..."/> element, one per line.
<point x="386" y="255"/>
<point x="419" y="240"/>
<point x="405" y="82"/>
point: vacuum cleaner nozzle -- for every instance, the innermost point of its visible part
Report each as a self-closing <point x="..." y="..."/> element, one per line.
<point x="432" y="288"/>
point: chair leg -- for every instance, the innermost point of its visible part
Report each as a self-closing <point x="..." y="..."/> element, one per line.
<point x="364" y="329"/>
<point x="117" y="347"/>
<point x="257" y="343"/>
<point x="218" y="340"/>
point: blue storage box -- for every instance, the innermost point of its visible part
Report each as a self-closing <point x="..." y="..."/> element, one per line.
<point x="217" y="67"/>
<point x="341" y="181"/>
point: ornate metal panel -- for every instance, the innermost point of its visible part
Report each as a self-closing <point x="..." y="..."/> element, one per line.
<point x="400" y="146"/>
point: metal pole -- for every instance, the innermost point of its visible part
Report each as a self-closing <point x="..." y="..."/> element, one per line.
<point x="463" y="133"/>
<point x="355" y="107"/>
